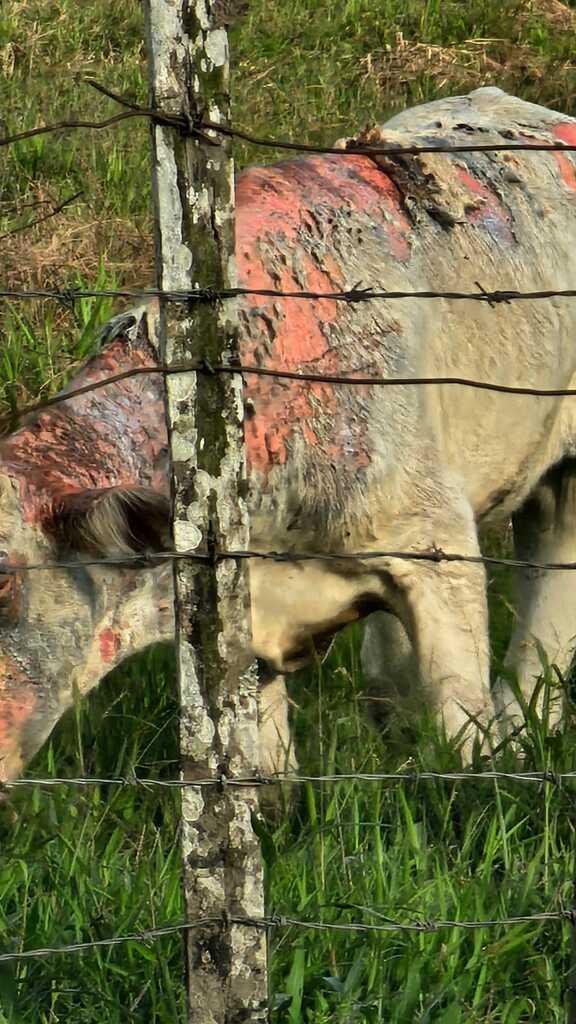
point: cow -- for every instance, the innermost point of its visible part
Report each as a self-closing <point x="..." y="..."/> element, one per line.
<point x="334" y="469"/>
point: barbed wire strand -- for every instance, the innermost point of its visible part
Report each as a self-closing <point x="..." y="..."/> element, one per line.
<point x="200" y="126"/>
<point x="354" y="295"/>
<point x="279" y="778"/>
<point x="64" y="126"/>
<point x="147" y="560"/>
<point x="7" y="419"/>
<point x="276" y="922"/>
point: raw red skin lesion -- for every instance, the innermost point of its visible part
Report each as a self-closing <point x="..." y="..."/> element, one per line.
<point x="109" y="645"/>
<point x="110" y="437"/>
<point x="566" y="132"/>
<point x="299" y="342"/>
<point x="275" y="210"/>
<point x="490" y="213"/>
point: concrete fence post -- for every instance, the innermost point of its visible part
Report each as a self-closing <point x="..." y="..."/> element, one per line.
<point x="194" y="205"/>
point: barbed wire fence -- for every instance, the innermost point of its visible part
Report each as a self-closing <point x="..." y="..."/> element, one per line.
<point x="209" y="134"/>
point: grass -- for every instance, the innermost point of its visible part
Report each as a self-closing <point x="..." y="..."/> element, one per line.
<point x="91" y="863"/>
<point x="77" y="864"/>
<point x="468" y="852"/>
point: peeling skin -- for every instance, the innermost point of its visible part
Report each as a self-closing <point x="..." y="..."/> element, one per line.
<point x="109" y="437"/>
<point x="299" y="203"/>
<point x="489" y="213"/>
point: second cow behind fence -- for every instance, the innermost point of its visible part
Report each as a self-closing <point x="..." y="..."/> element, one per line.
<point x="333" y="468"/>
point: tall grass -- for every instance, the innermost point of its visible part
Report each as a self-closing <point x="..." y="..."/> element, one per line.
<point x="77" y="864"/>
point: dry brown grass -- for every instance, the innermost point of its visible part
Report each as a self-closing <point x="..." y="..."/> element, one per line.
<point x="552" y="13"/>
<point x="44" y="52"/>
<point x="407" y="67"/>
<point x="67" y="251"/>
<point x="73" y="245"/>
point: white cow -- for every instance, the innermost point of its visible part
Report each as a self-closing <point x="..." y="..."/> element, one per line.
<point x="337" y="468"/>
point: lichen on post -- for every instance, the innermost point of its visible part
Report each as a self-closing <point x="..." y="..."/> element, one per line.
<point x="194" y="199"/>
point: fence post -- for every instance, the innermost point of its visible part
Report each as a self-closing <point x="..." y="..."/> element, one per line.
<point x="194" y="196"/>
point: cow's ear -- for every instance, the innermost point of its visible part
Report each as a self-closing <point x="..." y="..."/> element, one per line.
<point x="112" y="520"/>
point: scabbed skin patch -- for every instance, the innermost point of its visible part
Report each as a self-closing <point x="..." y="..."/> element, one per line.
<point x="109" y="645"/>
<point x="111" y="437"/>
<point x="489" y="213"/>
<point x="298" y="217"/>
<point x="18" y="700"/>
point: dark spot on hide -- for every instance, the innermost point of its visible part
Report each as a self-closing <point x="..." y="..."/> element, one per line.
<point x="470" y="129"/>
<point x="444" y="218"/>
<point x="10" y="590"/>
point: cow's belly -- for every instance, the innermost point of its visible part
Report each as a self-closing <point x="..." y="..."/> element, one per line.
<point x="497" y="456"/>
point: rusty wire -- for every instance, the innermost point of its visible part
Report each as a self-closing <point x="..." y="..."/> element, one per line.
<point x="359" y="293"/>
<point x="282" y="921"/>
<point x="198" y="127"/>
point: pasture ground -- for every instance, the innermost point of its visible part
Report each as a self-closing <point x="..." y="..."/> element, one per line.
<point x="79" y="864"/>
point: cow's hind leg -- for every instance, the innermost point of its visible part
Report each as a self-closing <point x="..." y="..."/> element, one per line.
<point x="276" y="743"/>
<point x="544" y="531"/>
<point x="388" y="664"/>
